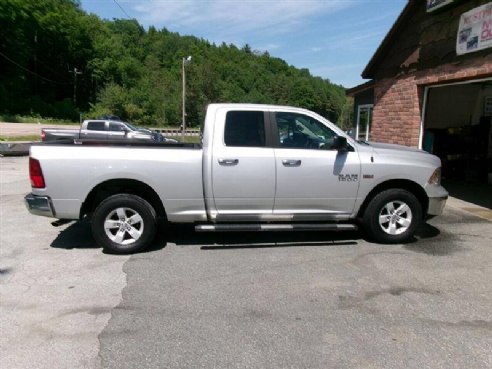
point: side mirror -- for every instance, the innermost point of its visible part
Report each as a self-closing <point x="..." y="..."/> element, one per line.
<point x="340" y="143"/>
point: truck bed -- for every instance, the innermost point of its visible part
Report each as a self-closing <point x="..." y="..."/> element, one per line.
<point x="55" y="134"/>
<point x="73" y="168"/>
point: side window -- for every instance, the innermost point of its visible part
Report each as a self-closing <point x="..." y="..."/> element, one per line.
<point x="118" y="127"/>
<point x="300" y="131"/>
<point x="95" y="126"/>
<point x="245" y="129"/>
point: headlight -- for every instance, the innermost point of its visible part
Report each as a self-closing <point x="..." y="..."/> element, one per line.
<point x="435" y="178"/>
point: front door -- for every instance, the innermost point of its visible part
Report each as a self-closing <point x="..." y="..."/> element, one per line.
<point x="243" y="167"/>
<point x="117" y="131"/>
<point x="314" y="181"/>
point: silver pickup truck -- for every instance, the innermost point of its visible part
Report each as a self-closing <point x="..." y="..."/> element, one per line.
<point x="103" y="130"/>
<point x="259" y="168"/>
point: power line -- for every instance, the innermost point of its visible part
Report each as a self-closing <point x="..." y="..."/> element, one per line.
<point x="30" y="71"/>
<point x="123" y="10"/>
<point x="45" y="66"/>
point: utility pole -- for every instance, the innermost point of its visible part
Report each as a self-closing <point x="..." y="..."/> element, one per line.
<point x="183" y="126"/>
<point x="36" y="62"/>
<point x="75" y="71"/>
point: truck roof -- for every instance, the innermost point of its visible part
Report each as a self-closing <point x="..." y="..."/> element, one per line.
<point x="255" y="106"/>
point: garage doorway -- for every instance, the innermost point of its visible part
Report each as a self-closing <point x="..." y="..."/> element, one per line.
<point x="457" y="127"/>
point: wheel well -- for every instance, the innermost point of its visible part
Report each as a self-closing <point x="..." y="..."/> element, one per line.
<point x="403" y="184"/>
<point x="117" y="186"/>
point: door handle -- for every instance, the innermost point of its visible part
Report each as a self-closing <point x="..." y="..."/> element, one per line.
<point x="228" y="162"/>
<point x="291" y="163"/>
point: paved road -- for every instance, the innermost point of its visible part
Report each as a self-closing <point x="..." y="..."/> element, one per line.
<point x="56" y="292"/>
<point x="25" y="129"/>
<point x="242" y="300"/>
<point x="304" y="301"/>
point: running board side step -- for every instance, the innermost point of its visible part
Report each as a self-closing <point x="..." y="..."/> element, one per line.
<point x="274" y="227"/>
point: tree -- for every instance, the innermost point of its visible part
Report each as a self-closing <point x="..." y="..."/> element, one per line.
<point x="136" y="74"/>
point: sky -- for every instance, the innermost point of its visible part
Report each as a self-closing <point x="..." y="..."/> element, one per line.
<point x="334" y="39"/>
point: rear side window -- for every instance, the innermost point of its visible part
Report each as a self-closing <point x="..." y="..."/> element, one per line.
<point x="245" y="129"/>
<point x="95" y="126"/>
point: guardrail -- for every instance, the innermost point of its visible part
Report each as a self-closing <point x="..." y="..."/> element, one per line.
<point x="14" y="148"/>
<point x="178" y="132"/>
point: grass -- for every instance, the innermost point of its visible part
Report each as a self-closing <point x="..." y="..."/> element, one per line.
<point x="29" y="138"/>
<point x="187" y="139"/>
<point x="12" y="118"/>
<point x="15" y="118"/>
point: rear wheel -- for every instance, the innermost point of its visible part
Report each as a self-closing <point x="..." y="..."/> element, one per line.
<point x="124" y="224"/>
<point x="392" y="216"/>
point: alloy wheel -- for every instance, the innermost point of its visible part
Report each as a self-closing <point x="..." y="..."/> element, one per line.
<point x="395" y="217"/>
<point x="124" y="226"/>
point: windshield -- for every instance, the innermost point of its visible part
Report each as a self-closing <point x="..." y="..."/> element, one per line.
<point x="131" y="127"/>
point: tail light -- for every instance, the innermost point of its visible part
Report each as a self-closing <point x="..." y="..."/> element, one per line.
<point x="36" y="174"/>
<point x="43" y="135"/>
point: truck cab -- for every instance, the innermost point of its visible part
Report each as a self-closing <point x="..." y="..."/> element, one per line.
<point x="278" y="165"/>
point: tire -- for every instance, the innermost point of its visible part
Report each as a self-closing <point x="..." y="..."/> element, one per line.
<point x="392" y="216"/>
<point x="124" y="224"/>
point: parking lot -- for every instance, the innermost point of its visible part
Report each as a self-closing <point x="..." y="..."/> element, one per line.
<point x="270" y="300"/>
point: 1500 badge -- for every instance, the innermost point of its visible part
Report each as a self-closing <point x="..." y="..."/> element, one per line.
<point x="348" y="177"/>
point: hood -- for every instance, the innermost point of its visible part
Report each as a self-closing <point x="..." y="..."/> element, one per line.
<point x="143" y="135"/>
<point x="144" y="130"/>
<point x="402" y="152"/>
<point x="382" y="147"/>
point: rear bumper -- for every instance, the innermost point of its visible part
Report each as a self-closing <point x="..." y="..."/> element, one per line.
<point x="39" y="205"/>
<point x="436" y="205"/>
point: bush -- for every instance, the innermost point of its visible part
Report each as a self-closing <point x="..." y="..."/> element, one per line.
<point x="65" y="109"/>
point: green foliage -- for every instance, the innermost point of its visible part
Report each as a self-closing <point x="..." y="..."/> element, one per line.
<point x="35" y="118"/>
<point x="136" y="74"/>
<point x="27" y="138"/>
<point x="347" y="114"/>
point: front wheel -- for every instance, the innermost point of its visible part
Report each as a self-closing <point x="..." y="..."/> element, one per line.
<point x="392" y="216"/>
<point x="124" y="224"/>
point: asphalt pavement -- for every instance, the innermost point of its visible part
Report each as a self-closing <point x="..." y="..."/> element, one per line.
<point x="56" y="294"/>
<point x="308" y="301"/>
<point x="267" y="300"/>
<point x="25" y="129"/>
<point x="13" y="131"/>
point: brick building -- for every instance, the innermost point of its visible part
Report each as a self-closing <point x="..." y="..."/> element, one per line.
<point x="431" y="85"/>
